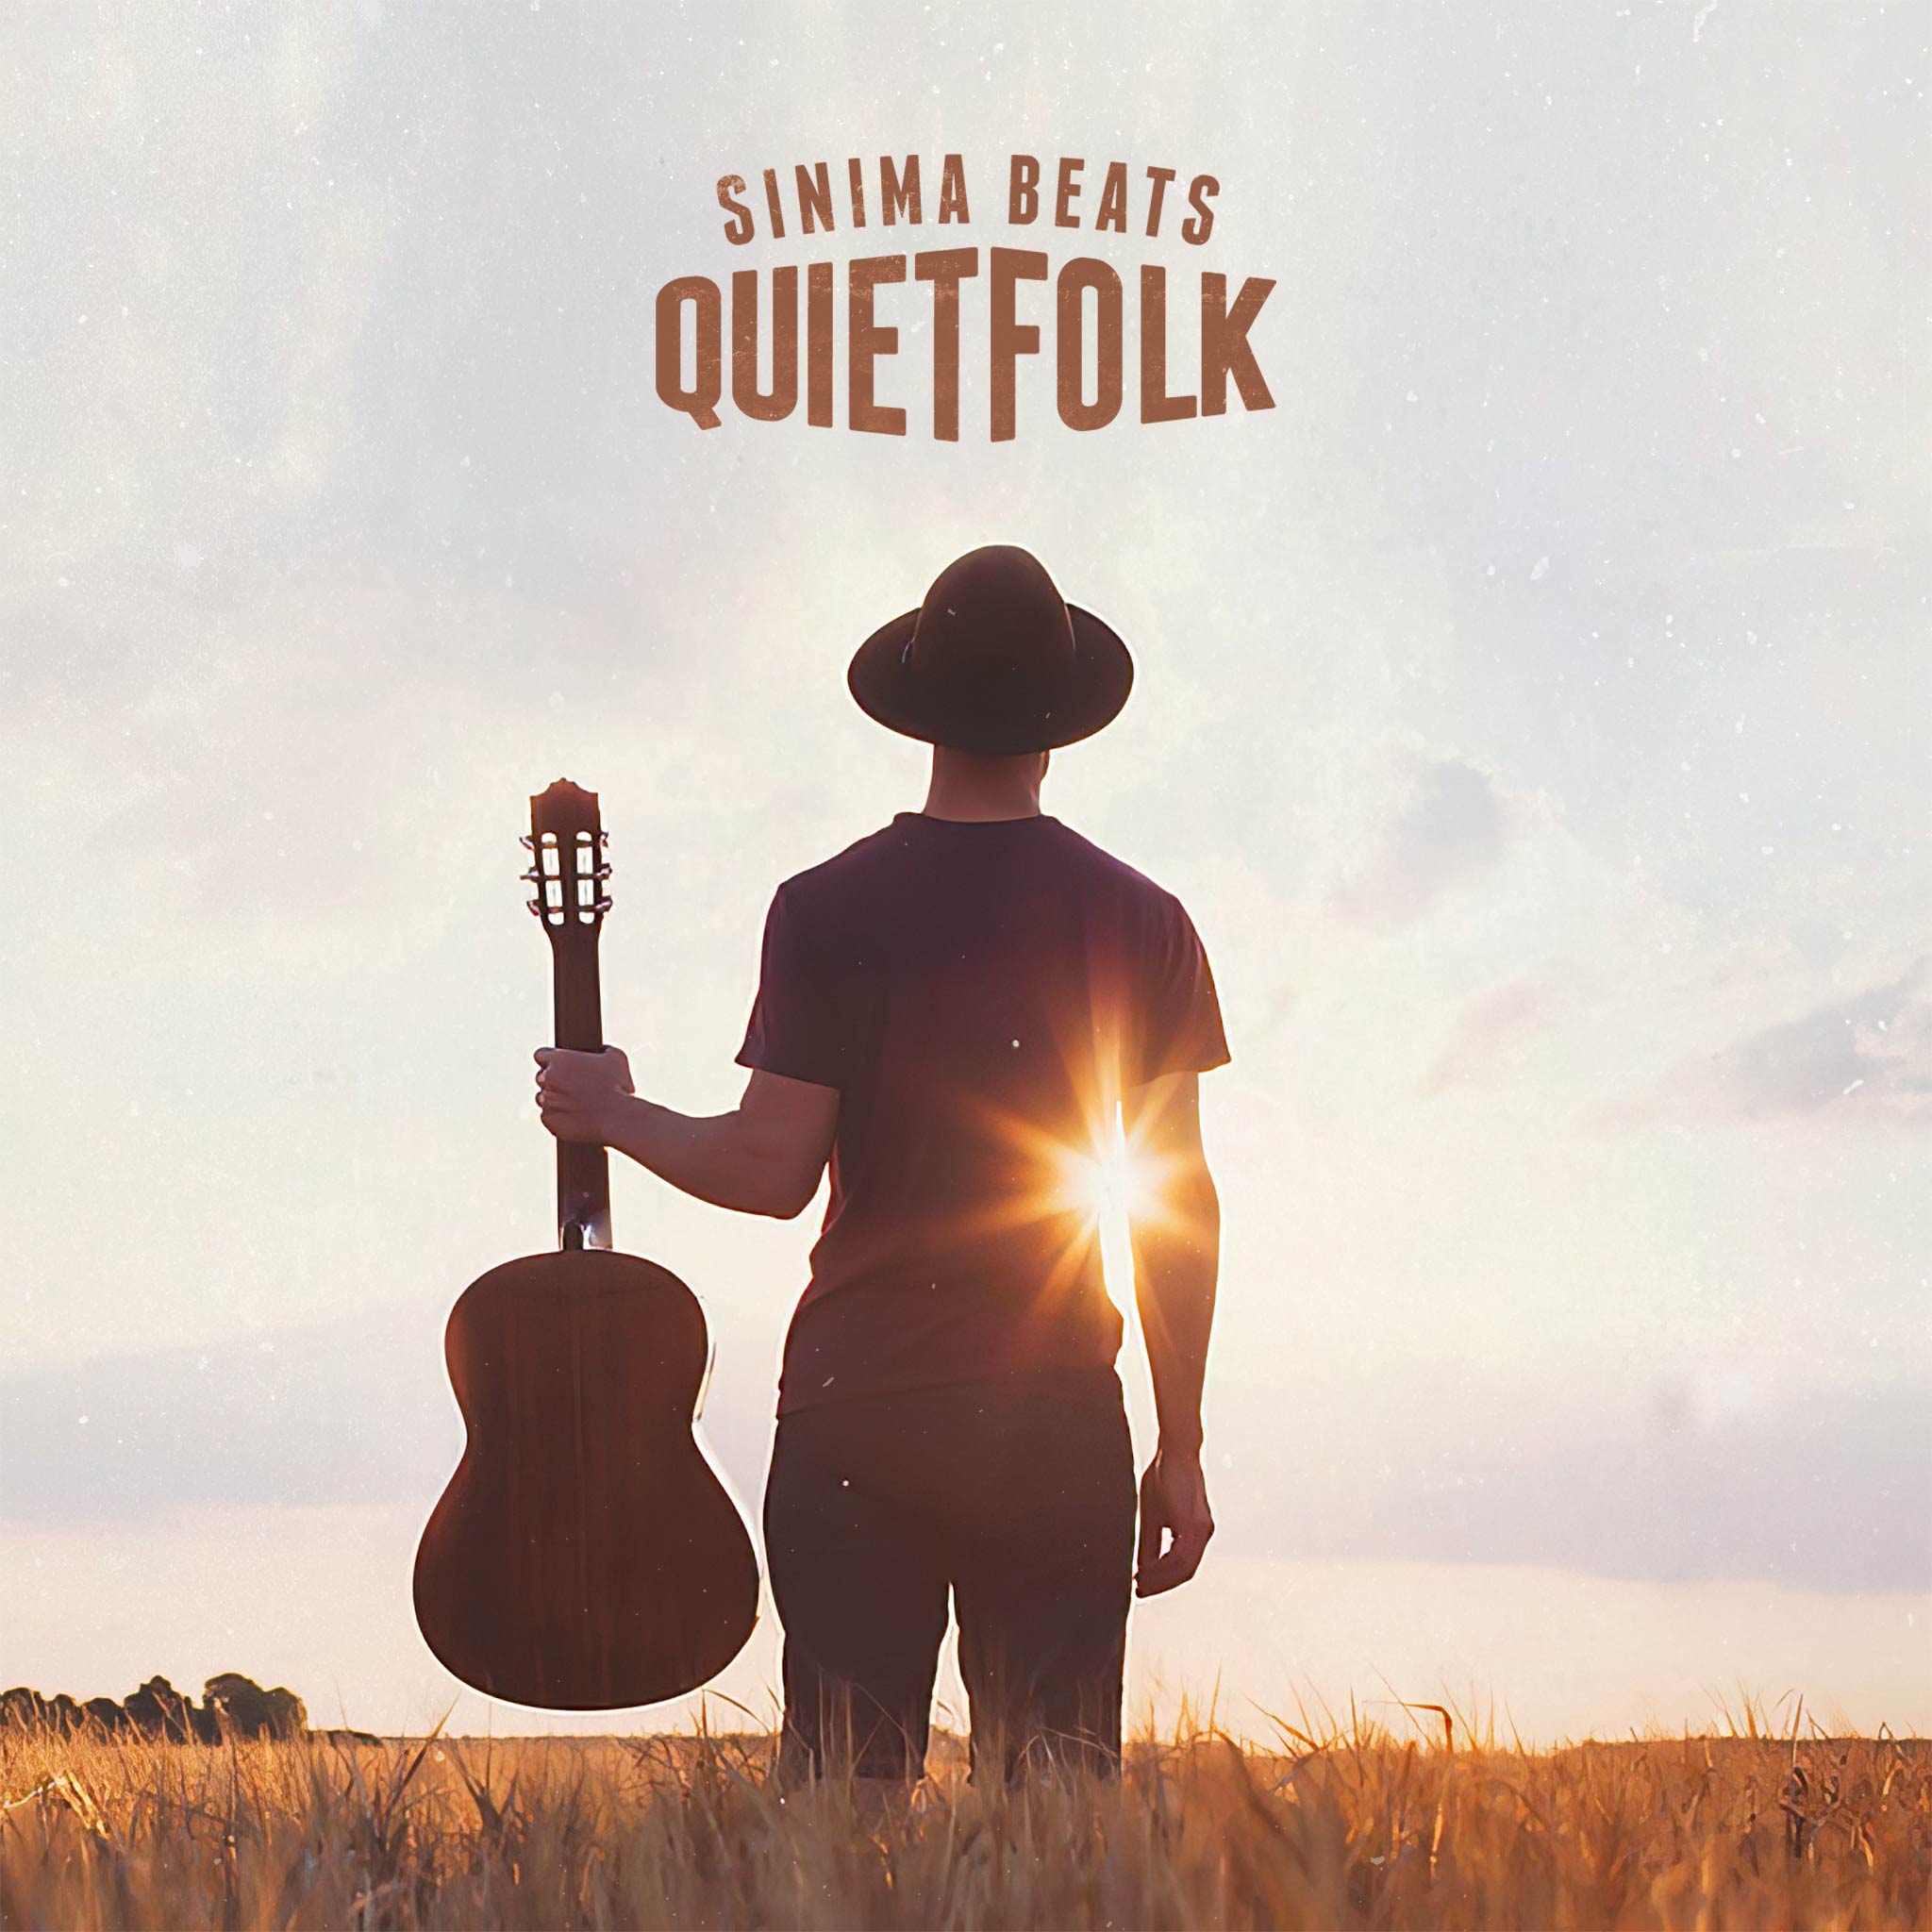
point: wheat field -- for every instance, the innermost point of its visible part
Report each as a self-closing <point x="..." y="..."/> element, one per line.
<point x="1346" y="1825"/>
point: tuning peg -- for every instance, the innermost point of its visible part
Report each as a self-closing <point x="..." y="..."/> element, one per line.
<point x="535" y="906"/>
<point x="533" y="875"/>
<point x="601" y="906"/>
<point x="600" y="871"/>
<point x="527" y="839"/>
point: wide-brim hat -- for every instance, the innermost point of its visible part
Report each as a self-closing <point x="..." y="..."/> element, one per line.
<point x="994" y="660"/>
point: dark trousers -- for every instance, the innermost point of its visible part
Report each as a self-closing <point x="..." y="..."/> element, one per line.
<point x="1019" y="1499"/>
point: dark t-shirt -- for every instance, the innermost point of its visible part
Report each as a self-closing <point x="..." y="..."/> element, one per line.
<point x="979" y="992"/>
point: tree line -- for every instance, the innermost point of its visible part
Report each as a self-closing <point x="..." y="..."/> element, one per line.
<point x="233" y="1706"/>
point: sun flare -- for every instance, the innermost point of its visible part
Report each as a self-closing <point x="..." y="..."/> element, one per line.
<point x="1116" y="1182"/>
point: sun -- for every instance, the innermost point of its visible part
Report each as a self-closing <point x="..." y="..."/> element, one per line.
<point x="1114" y="1182"/>
<point x="1115" y="1186"/>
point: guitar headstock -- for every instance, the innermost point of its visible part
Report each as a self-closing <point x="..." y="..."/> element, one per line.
<point x="568" y="842"/>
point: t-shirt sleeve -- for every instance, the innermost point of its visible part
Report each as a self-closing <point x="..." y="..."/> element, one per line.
<point x="794" y="1027"/>
<point x="1180" y="1029"/>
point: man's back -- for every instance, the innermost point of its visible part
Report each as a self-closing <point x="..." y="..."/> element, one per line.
<point x="979" y="992"/>
<point x="948" y="1011"/>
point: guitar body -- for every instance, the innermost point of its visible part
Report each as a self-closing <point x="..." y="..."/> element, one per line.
<point x="584" y="1556"/>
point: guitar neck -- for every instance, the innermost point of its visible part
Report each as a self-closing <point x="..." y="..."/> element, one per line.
<point x="583" y="1170"/>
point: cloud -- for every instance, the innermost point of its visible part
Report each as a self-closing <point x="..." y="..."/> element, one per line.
<point x="355" y="1411"/>
<point x="1484" y="1029"/>
<point x="1868" y="1056"/>
<point x="1711" y="1469"/>
<point x="1451" y="829"/>
<point x="1745" y="1470"/>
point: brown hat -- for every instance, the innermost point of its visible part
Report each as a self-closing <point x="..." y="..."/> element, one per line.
<point x="994" y="660"/>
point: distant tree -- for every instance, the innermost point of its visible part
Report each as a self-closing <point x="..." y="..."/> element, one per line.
<point x="243" y="1707"/>
<point x="233" y="1706"/>
<point x="160" y="1710"/>
<point x="21" y="1706"/>
<point x="107" y="1714"/>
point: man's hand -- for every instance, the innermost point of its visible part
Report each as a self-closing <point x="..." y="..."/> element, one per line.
<point x="580" y="1094"/>
<point x="1174" y="1497"/>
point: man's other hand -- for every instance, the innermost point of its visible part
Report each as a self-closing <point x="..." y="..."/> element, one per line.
<point x="579" y="1094"/>
<point x="1173" y="1500"/>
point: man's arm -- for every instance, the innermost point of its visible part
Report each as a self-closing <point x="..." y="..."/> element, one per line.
<point x="765" y="1157"/>
<point x="1176" y="1245"/>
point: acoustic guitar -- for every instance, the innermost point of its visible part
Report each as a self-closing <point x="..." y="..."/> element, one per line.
<point x="585" y="1555"/>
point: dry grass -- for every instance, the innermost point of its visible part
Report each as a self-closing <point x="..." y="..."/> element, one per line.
<point x="1343" y="1827"/>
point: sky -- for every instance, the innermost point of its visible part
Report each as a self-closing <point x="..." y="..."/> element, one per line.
<point x="1529" y="709"/>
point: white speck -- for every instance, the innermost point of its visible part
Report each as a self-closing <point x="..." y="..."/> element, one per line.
<point x="83" y="1421"/>
<point x="1854" y="1086"/>
<point x="1537" y="569"/>
<point x="267" y="1348"/>
<point x="1016" y="1043"/>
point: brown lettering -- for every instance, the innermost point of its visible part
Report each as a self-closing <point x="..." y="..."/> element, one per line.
<point x="1011" y="339"/>
<point x="1200" y="224"/>
<point x="866" y="340"/>
<point x="700" y="401"/>
<point x="1157" y="406"/>
<point x="1063" y="215"/>
<point x="898" y="196"/>
<point x="818" y="337"/>
<point x="953" y="190"/>
<point x="945" y="268"/>
<point x="1224" y="349"/>
<point x="737" y="230"/>
<point x="814" y="198"/>
<point x="1023" y="191"/>
<point x="1083" y="272"/>
<point x="1160" y="177"/>
<point x="1114" y="199"/>
<point x="777" y="403"/>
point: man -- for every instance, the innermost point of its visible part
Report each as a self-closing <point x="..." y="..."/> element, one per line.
<point x="954" y="1011"/>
